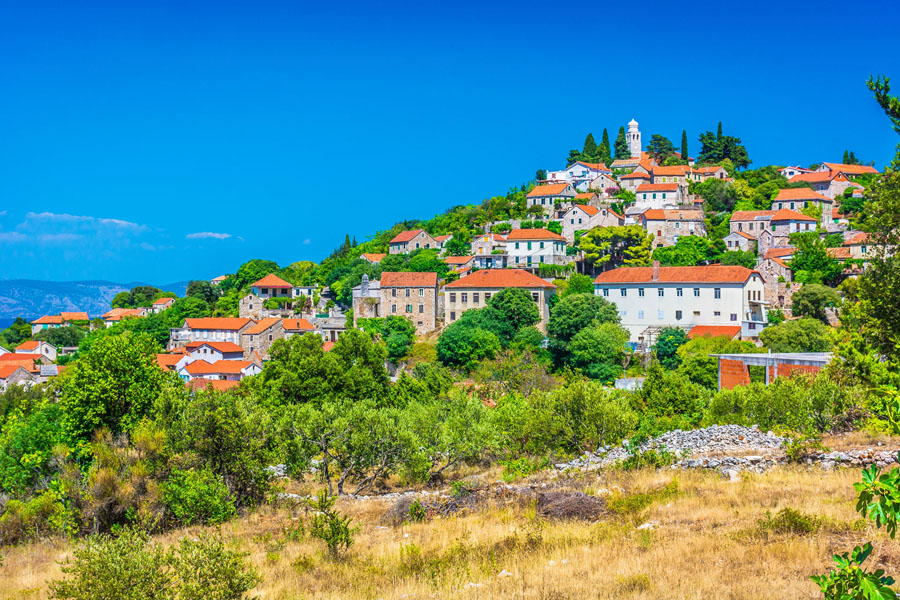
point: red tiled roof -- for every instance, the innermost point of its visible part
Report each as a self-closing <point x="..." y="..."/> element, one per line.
<point x="840" y="253"/>
<point x="704" y="274"/>
<point x="819" y="176"/>
<point x="799" y="194"/>
<point x="714" y="331"/>
<point x="785" y="214"/>
<point x="442" y="238"/>
<point x="859" y="238"/>
<point x="657" y="187"/>
<point x="405" y="236"/>
<point x="229" y="367"/>
<point x="374" y="257"/>
<point x="20" y="357"/>
<point x="272" y="281"/>
<point x="220" y="385"/>
<point x="117" y="314"/>
<point x="9" y="369"/>
<point x="500" y="278"/>
<point x="297" y="325"/>
<point x="163" y="300"/>
<point x="675" y="170"/>
<point x="744" y="234"/>
<point x="532" y="234"/>
<point x="836" y="213"/>
<point x="219" y="346"/>
<point x="590" y="210"/>
<point x="553" y="189"/>
<point x="584" y="196"/>
<point x="392" y="279"/>
<point x="850" y="169"/>
<point x="263" y="325"/>
<point x="48" y="320"/>
<point x="594" y="166"/>
<point x="217" y="323"/>
<point x="752" y="215"/>
<point x="711" y="169"/>
<point x="167" y="362"/>
<point x="780" y="252"/>
<point x="30" y="345"/>
<point x="674" y="214"/>
<point x="456" y="260"/>
<point x="636" y="175"/>
<point x="74" y="316"/>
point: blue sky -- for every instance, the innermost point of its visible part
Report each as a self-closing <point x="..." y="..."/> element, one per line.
<point x="162" y="141"/>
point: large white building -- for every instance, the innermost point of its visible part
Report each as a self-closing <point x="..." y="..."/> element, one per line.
<point x="650" y="298"/>
<point x="528" y="248"/>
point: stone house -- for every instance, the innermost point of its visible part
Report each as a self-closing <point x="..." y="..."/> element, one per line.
<point x="701" y="174"/>
<point x="528" y="248"/>
<point x="603" y="182"/>
<point x="260" y="336"/>
<point x="411" y="295"/>
<point x="487" y="243"/>
<point x="739" y="241"/>
<point x="37" y="347"/>
<point x="209" y="329"/>
<point x="847" y="169"/>
<point x="475" y="290"/>
<point x="367" y="299"/>
<point x="441" y="240"/>
<point x="667" y="225"/>
<point x="583" y="217"/>
<point x="161" y="304"/>
<point x="633" y="180"/>
<point x="546" y="196"/>
<point x="830" y="184"/>
<point x="14" y="374"/>
<point x="294" y="327"/>
<point x="800" y="198"/>
<point x="751" y="222"/>
<point x="785" y="222"/>
<point x="407" y="241"/>
<point x="777" y="277"/>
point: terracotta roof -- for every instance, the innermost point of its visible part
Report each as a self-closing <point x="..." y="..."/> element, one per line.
<point x="375" y="258"/>
<point x="219" y="346"/>
<point x="272" y="281"/>
<point x="712" y="169"/>
<point x="456" y="260"/>
<point x="553" y="189"/>
<point x="500" y="278"/>
<point x="74" y="316"/>
<point x="263" y="325"/>
<point x="405" y="236"/>
<point x="391" y="279"/>
<point x="167" y="362"/>
<point x="714" y="331"/>
<point x="220" y="385"/>
<point x="752" y="215"/>
<point x="786" y="214"/>
<point x="117" y="314"/>
<point x="839" y="253"/>
<point x="673" y="214"/>
<point x="620" y="162"/>
<point x="297" y="325"/>
<point x="442" y="238"/>
<point x="230" y="367"/>
<point x="19" y="357"/>
<point x="780" y="252"/>
<point x="594" y="166"/>
<point x="636" y="175"/>
<point x="675" y="170"/>
<point x="220" y="278"/>
<point x="705" y="274"/>
<point x="859" y="238"/>
<point x="7" y="370"/>
<point x="799" y="194"/>
<point x="48" y="320"/>
<point x="744" y="234"/>
<point x="850" y="169"/>
<point x="836" y="213"/>
<point x="819" y="176"/>
<point x="780" y="262"/>
<point x="532" y="234"/>
<point x="657" y="187"/>
<point x="590" y="210"/>
<point x="30" y="345"/>
<point x="217" y="323"/>
<point x="584" y="196"/>
<point x="327" y="346"/>
<point x="163" y="300"/>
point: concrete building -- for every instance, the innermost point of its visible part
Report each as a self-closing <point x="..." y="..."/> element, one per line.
<point x="733" y="371"/>
<point x="475" y="290"/>
<point x="650" y="298"/>
<point x="528" y="248"/>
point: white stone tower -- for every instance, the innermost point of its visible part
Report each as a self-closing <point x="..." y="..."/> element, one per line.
<point x="633" y="137"/>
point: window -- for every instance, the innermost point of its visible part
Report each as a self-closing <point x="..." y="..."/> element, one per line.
<point x="465" y="297"/>
<point x="409" y="308"/>
<point x="751" y="326"/>
<point x="393" y="308"/>
<point x="641" y="292"/>
<point x="696" y="313"/>
<point x="679" y="292"/>
<point x="606" y="292"/>
<point x="654" y="196"/>
<point x="487" y="296"/>
<point x="677" y="315"/>
<point x="696" y="292"/>
<point x="677" y="224"/>
<point x="417" y="244"/>
<point x="863" y="249"/>
<point x="623" y="292"/>
<point x="393" y="292"/>
<point x="640" y="314"/>
<point x="407" y="292"/>
<point x="717" y="293"/>
<point x="421" y="308"/>
<point x="529" y="245"/>
<point x="475" y="297"/>
<point x="453" y="297"/>
<point x="717" y="314"/>
<point x="421" y="292"/>
<point x="542" y="244"/>
<point x="734" y="316"/>
<point x="517" y="245"/>
<point x="660" y="292"/>
<point x="660" y="314"/>
<point x="452" y="315"/>
<point x="534" y="296"/>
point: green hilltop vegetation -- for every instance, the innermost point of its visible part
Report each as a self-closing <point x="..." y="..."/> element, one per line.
<point x="115" y="444"/>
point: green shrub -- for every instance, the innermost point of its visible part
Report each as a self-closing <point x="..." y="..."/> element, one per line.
<point x="205" y="569"/>
<point x="789" y="520"/>
<point x="518" y="468"/>
<point x="39" y="516"/>
<point x="416" y="511"/>
<point x="197" y="496"/>
<point x="330" y="526"/>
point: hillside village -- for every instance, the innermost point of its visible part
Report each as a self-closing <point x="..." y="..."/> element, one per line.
<point x="634" y="226"/>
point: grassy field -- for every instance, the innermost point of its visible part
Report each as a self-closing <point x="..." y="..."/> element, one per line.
<point x="707" y="542"/>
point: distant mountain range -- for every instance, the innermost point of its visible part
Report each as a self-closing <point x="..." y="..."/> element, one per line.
<point x="31" y="298"/>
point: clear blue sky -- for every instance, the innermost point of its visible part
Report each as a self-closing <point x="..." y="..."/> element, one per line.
<point x="165" y="140"/>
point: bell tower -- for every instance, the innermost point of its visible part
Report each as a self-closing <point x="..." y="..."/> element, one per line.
<point x="633" y="137"/>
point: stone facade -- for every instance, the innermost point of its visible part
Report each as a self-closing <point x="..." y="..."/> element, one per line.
<point x="411" y="295"/>
<point x="777" y="289"/>
<point x="367" y="299"/>
<point x="669" y="225"/>
<point x="407" y="241"/>
<point x="260" y="337"/>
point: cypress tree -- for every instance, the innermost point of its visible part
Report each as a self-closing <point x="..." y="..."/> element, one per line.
<point x="590" y="147"/>
<point x="719" y="133"/>
<point x="684" y="148"/>
<point x="846" y="158"/>
<point x="621" y="146"/>
<point x="605" y="148"/>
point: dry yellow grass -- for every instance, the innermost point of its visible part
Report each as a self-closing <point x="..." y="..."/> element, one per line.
<point x="707" y="545"/>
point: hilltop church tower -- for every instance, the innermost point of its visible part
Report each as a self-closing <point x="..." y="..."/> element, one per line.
<point x="633" y="137"/>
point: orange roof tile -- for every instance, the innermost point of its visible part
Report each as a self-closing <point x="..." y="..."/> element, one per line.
<point x="219" y="346"/>
<point x="327" y="346"/>
<point x="220" y="385"/>
<point x="590" y="210"/>
<point x="850" y="169"/>
<point x="500" y="278"/>
<point x="163" y="300"/>
<point x="859" y="238"/>
<point x="800" y="194"/>
<point x="752" y="215"/>
<point x="225" y="367"/>
<point x="217" y="323"/>
<point x="786" y="214"/>
<point x="711" y="169"/>
<point x="553" y="189"/>
<point x="637" y="175"/>
<point x="704" y="274"/>
<point x="840" y="253"/>
<point x="30" y="345"/>
<point x="659" y="214"/>
<point x="657" y="187"/>
<point x="532" y="234"/>
<point x="263" y="325"/>
<point x="167" y="361"/>
<point x="780" y="252"/>
<point x="730" y="331"/>
<point x="456" y="260"/>
<point x="297" y="325"/>
<point x="676" y="170"/>
<point x="48" y="320"/>
<point x="594" y="166"/>
<point x="272" y="281"/>
<point x="405" y="236"/>
<point x="584" y="196"/>
<point x="8" y="369"/>
<point x="373" y="257"/>
<point x="819" y="176"/>
<point x="443" y="238"/>
<point x="744" y="234"/>
<point x="392" y="279"/>
<point x="74" y="316"/>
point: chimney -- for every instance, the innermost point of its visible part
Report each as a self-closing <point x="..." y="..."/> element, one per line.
<point x="655" y="270"/>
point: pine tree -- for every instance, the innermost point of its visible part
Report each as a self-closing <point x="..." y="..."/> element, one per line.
<point x="719" y="132"/>
<point x="684" y="148"/>
<point x="621" y="147"/>
<point x="605" y="150"/>
<point x="346" y="245"/>
<point x="590" y="147"/>
<point x="354" y="241"/>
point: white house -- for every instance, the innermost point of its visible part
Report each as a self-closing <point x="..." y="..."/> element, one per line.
<point x="37" y="347"/>
<point x="582" y="217"/>
<point x="650" y="298"/>
<point x="527" y="248"/>
<point x="214" y="351"/>
<point x="786" y="222"/>
<point x="161" y="304"/>
<point x="658" y="195"/>
<point x="209" y="329"/>
<point x="227" y="370"/>
<point x="579" y="174"/>
<point x="789" y="172"/>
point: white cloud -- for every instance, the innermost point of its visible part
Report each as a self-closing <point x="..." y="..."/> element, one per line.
<point x="120" y="223"/>
<point x="12" y="237"/>
<point x="203" y="235"/>
<point x="58" y="237"/>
